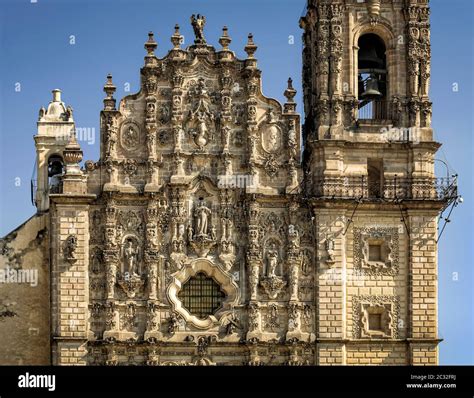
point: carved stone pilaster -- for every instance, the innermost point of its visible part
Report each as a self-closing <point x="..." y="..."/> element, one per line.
<point x="111" y="262"/>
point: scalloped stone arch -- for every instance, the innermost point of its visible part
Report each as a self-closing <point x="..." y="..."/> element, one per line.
<point x="212" y="270"/>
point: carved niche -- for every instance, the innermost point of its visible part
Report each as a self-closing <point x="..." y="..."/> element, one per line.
<point x="375" y="317"/>
<point x="376" y="250"/>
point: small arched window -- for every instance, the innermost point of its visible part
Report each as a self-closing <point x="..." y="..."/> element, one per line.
<point x="372" y="77"/>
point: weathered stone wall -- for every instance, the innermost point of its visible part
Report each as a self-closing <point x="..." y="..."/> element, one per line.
<point x="24" y="308"/>
<point x="69" y="282"/>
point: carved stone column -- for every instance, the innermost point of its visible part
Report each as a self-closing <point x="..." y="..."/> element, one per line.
<point x="253" y="251"/>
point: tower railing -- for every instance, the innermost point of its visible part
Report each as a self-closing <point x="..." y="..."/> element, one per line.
<point x="394" y="188"/>
<point x="374" y="110"/>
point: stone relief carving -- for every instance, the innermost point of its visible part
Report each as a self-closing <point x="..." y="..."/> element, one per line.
<point x="70" y="246"/>
<point x="130" y="136"/>
<point x="201" y="119"/>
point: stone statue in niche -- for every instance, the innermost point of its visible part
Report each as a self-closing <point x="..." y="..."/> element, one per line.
<point x="271" y="282"/>
<point x="202" y="214"/>
<point x="205" y="234"/>
<point x="130" y="257"/>
<point x="130" y="279"/>
<point x="190" y="233"/>
<point x="305" y="263"/>
<point x="70" y="246"/>
<point x="272" y="260"/>
<point x="329" y="246"/>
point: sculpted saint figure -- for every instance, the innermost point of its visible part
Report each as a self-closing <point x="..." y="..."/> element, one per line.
<point x="131" y="257"/>
<point x="272" y="260"/>
<point x="201" y="215"/>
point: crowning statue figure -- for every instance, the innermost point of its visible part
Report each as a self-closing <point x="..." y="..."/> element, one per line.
<point x="198" y="21"/>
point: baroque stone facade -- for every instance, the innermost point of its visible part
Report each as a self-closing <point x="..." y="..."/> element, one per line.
<point x="202" y="236"/>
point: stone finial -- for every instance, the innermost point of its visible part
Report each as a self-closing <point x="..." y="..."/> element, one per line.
<point x="72" y="151"/>
<point x="225" y="40"/>
<point x="56" y="111"/>
<point x="150" y="45"/>
<point x="250" y="48"/>
<point x="73" y="180"/>
<point x="290" y="92"/>
<point x="56" y="95"/>
<point x="109" y="89"/>
<point x="177" y="38"/>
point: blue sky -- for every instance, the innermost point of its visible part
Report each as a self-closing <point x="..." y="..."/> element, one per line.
<point x="73" y="44"/>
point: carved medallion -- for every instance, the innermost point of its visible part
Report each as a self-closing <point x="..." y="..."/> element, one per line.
<point x="130" y="136"/>
<point x="272" y="138"/>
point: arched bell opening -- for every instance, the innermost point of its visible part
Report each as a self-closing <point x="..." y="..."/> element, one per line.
<point x="55" y="171"/>
<point x="372" y="77"/>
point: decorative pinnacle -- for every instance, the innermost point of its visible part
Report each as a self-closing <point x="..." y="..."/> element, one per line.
<point x="72" y="151"/>
<point x="290" y="92"/>
<point x="250" y="48"/>
<point x="150" y="44"/>
<point x="225" y="40"/>
<point x="176" y="39"/>
<point x="109" y="87"/>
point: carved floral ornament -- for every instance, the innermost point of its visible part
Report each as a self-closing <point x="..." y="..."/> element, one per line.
<point x="225" y="281"/>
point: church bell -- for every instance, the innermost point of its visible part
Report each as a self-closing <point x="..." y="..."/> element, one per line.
<point x="372" y="88"/>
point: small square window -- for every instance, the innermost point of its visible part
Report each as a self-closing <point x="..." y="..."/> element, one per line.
<point x="375" y="322"/>
<point x="375" y="252"/>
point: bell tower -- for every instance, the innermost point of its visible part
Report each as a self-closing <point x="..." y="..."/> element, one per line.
<point x="369" y="176"/>
<point x="55" y="126"/>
